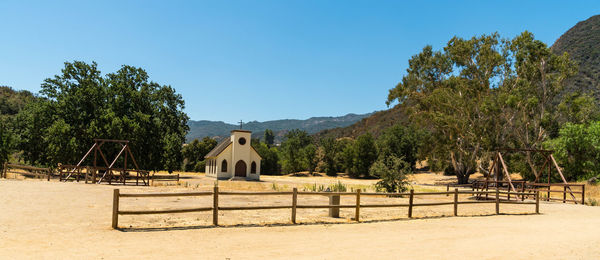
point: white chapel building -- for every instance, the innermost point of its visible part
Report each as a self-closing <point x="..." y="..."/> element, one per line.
<point x="234" y="157"/>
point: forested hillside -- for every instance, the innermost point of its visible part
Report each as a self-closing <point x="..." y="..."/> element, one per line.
<point x="374" y="124"/>
<point x="12" y="101"/>
<point x="582" y="43"/>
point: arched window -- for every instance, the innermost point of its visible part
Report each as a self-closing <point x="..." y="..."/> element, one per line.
<point x="253" y="167"/>
<point x="224" y="166"/>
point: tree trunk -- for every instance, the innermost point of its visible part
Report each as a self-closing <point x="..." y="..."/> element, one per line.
<point x="530" y="162"/>
<point x="463" y="177"/>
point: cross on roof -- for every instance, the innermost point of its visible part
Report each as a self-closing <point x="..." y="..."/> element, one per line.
<point x="241" y="124"/>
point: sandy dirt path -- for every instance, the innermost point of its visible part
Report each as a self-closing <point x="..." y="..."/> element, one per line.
<point x="41" y="220"/>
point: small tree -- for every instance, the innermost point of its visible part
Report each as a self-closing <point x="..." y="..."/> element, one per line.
<point x="291" y="150"/>
<point x="392" y="171"/>
<point x="577" y="150"/>
<point x="269" y="137"/>
<point x="309" y="158"/>
<point x="366" y="154"/>
<point x="270" y="158"/>
<point x="330" y="149"/>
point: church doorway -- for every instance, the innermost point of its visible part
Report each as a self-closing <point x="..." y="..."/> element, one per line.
<point x="240" y="169"/>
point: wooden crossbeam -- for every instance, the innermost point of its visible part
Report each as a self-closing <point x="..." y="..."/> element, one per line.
<point x="562" y="177"/>
<point x="507" y="174"/>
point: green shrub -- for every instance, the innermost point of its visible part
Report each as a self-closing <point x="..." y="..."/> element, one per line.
<point x="200" y="166"/>
<point x="577" y="150"/>
<point x="392" y="171"/>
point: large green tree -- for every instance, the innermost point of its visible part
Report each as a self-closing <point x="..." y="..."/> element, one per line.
<point x="483" y="93"/>
<point x="401" y="142"/>
<point x="6" y="143"/>
<point x="447" y="91"/>
<point x="530" y="92"/>
<point x="80" y="104"/>
<point x="194" y="152"/>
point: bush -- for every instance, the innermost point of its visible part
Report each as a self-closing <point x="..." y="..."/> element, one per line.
<point x="392" y="171"/>
<point x="200" y="166"/>
<point x="577" y="150"/>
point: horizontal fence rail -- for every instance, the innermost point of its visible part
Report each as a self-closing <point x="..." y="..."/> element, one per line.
<point x="25" y="170"/>
<point x="573" y="189"/>
<point x="215" y="208"/>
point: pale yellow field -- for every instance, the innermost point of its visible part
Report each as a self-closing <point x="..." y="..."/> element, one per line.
<point x="52" y="220"/>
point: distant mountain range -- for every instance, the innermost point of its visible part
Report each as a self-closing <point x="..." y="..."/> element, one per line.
<point x="219" y="129"/>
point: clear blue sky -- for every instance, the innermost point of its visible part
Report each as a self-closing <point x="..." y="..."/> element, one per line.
<point x="260" y="60"/>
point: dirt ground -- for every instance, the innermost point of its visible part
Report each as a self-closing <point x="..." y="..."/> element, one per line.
<point x="52" y="220"/>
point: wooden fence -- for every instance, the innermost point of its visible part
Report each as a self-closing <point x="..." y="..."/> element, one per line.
<point x="575" y="190"/>
<point x="102" y="174"/>
<point x="164" y="177"/>
<point x="25" y="170"/>
<point x="215" y="208"/>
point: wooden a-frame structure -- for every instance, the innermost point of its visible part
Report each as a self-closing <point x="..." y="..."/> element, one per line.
<point x="109" y="168"/>
<point x="549" y="162"/>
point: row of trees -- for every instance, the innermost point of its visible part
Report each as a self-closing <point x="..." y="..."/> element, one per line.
<point x="81" y="104"/>
<point x="479" y="94"/>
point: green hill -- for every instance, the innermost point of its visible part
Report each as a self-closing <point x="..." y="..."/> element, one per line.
<point x="374" y="124"/>
<point x="582" y="42"/>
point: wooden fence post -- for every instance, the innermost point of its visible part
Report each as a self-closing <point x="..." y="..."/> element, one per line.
<point x="294" y="204"/>
<point x="4" y="169"/>
<point x="410" y="203"/>
<point x="357" y="216"/>
<point x="216" y="205"/>
<point x="583" y="194"/>
<point x="537" y="202"/>
<point x="523" y="191"/>
<point x="447" y="189"/>
<point x="564" y="194"/>
<point x="497" y="201"/>
<point x="487" y="188"/>
<point x="455" y="202"/>
<point x="115" y="213"/>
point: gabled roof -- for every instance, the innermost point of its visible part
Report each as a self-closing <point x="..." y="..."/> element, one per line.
<point x="219" y="148"/>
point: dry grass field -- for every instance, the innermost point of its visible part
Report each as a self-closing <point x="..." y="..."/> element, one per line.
<point x="53" y="220"/>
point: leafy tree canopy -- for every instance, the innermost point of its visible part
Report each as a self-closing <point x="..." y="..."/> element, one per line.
<point x="80" y="104"/>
